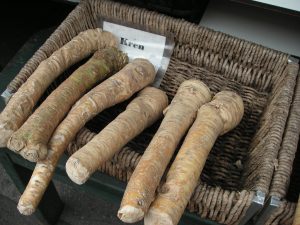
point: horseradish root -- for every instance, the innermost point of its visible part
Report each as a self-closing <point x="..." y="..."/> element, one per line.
<point x="139" y="114"/>
<point x="22" y="102"/>
<point x="179" y="116"/>
<point x="215" y="118"/>
<point x="297" y="214"/>
<point x="32" y="138"/>
<point x="119" y="87"/>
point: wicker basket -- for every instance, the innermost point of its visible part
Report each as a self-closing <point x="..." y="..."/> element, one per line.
<point x="285" y="186"/>
<point x="242" y="162"/>
<point x="284" y="213"/>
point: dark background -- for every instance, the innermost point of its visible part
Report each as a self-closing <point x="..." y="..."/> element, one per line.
<point x="21" y="19"/>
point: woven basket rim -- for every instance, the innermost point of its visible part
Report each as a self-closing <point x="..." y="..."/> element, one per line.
<point x="288" y="149"/>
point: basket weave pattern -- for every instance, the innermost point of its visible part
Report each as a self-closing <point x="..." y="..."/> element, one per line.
<point x="241" y="161"/>
<point x="286" y="182"/>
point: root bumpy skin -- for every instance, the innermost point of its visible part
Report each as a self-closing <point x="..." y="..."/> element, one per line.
<point x="31" y="139"/>
<point x="119" y="87"/>
<point x="23" y="101"/>
<point x="215" y="118"/>
<point x="179" y="116"/>
<point x="139" y="114"/>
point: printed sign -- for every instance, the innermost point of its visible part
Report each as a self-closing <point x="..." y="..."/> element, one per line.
<point x="137" y="43"/>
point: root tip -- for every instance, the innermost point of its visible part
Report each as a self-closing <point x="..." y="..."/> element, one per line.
<point x="77" y="172"/>
<point x="5" y="136"/>
<point x="31" y="156"/>
<point x="34" y="153"/>
<point x="25" y="209"/>
<point x="130" y="214"/>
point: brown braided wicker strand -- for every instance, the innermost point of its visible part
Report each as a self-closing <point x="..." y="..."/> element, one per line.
<point x="287" y="152"/>
<point x="242" y="161"/>
<point x="123" y="163"/>
<point x="286" y="181"/>
<point x="285" y="213"/>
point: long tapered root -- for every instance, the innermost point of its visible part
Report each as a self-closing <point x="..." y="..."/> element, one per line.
<point x="179" y="116"/>
<point x="31" y="138"/>
<point x="23" y="101"/>
<point x="215" y="118"/>
<point x="115" y="89"/>
<point x="36" y="186"/>
<point x="140" y="113"/>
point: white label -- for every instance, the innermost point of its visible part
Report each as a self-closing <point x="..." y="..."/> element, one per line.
<point x="138" y="43"/>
